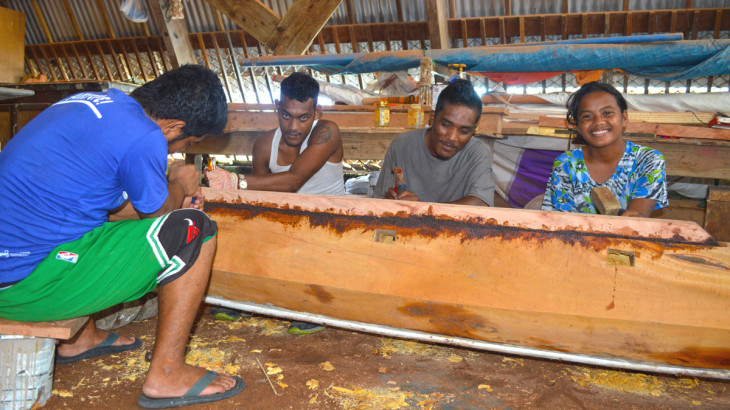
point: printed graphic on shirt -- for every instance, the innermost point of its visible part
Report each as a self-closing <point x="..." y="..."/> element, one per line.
<point x="90" y="99"/>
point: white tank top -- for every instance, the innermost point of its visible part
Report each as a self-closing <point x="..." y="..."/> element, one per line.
<point x="329" y="180"/>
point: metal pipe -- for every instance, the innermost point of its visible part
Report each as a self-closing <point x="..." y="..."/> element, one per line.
<point x="269" y="310"/>
<point x="344" y="59"/>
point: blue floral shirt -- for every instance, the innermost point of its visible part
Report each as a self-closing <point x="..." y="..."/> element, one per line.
<point x="639" y="174"/>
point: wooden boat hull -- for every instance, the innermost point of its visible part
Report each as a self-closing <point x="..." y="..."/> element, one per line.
<point x="655" y="291"/>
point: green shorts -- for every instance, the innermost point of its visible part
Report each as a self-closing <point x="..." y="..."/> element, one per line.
<point x="114" y="263"/>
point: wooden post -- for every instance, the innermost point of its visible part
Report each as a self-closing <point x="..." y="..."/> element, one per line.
<point x="718" y="213"/>
<point x="438" y="24"/>
<point x="174" y="34"/>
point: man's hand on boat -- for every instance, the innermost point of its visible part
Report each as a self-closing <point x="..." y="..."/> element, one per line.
<point x="403" y="195"/>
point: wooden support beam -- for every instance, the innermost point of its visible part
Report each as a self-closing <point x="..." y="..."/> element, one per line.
<point x="91" y="61"/>
<point x="102" y="56"/>
<point x="139" y="61"/>
<point x="127" y="62"/>
<point x="72" y="18"/>
<point x="105" y="17"/>
<point x="202" y="48"/>
<point x="115" y="58"/>
<point x="350" y="11"/>
<point x="78" y="59"/>
<point x="151" y="58"/>
<point x="222" y="66"/>
<point x="301" y="24"/>
<point x="41" y="20"/>
<point x="174" y="35"/>
<point x="251" y="15"/>
<point x="59" y="63"/>
<point x="49" y="63"/>
<point x="438" y="27"/>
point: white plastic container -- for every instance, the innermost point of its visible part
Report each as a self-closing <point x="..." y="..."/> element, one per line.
<point x="26" y="371"/>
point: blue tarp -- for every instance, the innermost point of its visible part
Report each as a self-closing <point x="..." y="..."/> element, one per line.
<point x="665" y="61"/>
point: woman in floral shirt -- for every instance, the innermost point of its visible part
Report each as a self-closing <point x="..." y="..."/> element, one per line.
<point x="634" y="174"/>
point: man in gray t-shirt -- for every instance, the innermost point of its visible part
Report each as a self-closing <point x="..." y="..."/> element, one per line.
<point x="442" y="163"/>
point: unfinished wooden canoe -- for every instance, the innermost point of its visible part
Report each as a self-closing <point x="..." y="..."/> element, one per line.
<point x="647" y="290"/>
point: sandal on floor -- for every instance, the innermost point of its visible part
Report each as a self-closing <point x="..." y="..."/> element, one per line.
<point x="101" y="349"/>
<point x="193" y="395"/>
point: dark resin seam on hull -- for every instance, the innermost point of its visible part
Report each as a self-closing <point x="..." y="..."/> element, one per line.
<point x="433" y="225"/>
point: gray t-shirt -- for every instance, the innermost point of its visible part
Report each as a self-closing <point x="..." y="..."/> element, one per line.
<point x="468" y="173"/>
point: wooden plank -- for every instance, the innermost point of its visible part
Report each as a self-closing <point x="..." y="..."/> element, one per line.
<point x="251" y="15"/>
<point x="12" y="44"/>
<point x="683" y="210"/>
<point x="551" y="285"/>
<point x="438" y="27"/>
<point x="719" y="193"/>
<point x="718" y="213"/>
<point x="174" y="35"/>
<point x="672" y="130"/>
<point x="60" y="329"/>
<point x="301" y="24"/>
<point x="489" y="122"/>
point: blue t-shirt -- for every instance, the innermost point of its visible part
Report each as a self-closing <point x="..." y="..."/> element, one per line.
<point x="639" y="174"/>
<point x="68" y="167"/>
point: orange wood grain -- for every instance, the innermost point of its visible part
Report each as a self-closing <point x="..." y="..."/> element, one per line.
<point x="531" y="278"/>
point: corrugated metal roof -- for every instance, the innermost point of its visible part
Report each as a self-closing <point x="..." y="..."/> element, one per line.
<point x="201" y="17"/>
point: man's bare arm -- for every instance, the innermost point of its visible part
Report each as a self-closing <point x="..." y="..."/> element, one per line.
<point x="262" y="154"/>
<point x="325" y="144"/>
<point x="469" y="200"/>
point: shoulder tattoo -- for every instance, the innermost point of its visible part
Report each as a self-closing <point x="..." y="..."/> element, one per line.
<point x="324" y="135"/>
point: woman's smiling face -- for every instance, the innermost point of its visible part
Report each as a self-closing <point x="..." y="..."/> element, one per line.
<point x="600" y="119"/>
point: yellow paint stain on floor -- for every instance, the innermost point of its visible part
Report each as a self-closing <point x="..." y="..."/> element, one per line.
<point x="388" y="347"/>
<point x="266" y="326"/>
<point x="637" y="383"/>
<point x="355" y="397"/>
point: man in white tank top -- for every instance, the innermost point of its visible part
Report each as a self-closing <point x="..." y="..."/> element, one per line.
<point x="303" y="155"/>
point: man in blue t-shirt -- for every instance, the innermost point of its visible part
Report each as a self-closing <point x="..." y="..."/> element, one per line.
<point x="90" y="220"/>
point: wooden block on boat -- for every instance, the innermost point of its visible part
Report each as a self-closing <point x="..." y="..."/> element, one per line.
<point x="718" y="213"/>
<point x="605" y="202"/>
<point x="59" y="329"/>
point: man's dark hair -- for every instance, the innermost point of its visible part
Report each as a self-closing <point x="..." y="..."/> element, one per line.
<point x="300" y="87"/>
<point x="460" y="92"/>
<point x="589" y="88"/>
<point x="190" y="93"/>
